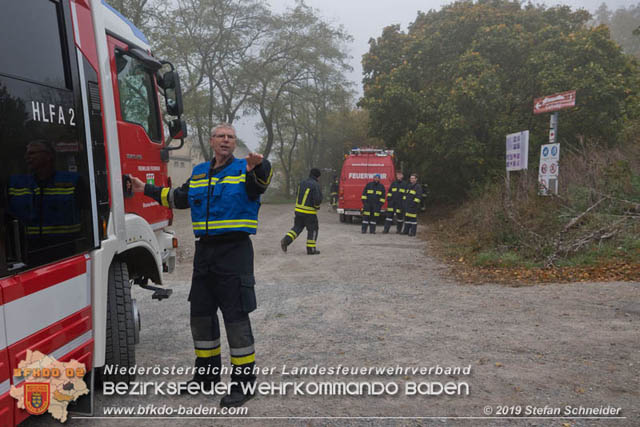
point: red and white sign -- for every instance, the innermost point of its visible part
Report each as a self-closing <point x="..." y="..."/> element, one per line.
<point x="555" y="102"/>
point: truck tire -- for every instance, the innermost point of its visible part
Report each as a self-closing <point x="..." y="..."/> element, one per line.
<point x="343" y="218"/>
<point x="120" y="348"/>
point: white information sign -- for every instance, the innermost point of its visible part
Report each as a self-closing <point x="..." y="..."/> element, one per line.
<point x="518" y="151"/>
<point x="549" y="168"/>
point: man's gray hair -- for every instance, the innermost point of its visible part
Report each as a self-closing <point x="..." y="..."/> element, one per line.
<point x="223" y="125"/>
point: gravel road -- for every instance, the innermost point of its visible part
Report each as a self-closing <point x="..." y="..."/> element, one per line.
<point x="383" y="301"/>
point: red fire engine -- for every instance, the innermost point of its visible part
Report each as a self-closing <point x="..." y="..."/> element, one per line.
<point x="79" y="113"/>
<point x="358" y="169"/>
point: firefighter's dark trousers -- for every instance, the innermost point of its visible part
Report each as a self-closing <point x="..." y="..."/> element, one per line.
<point x="370" y="215"/>
<point x="410" y="223"/>
<point x="389" y="219"/>
<point x="223" y="278"/>
<point x="310" y="221"/>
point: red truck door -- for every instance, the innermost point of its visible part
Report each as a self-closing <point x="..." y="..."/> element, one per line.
<point x="140" y="129"/>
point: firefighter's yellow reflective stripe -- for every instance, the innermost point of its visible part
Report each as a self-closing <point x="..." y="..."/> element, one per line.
<point x="379" y="193"/>
<point x="412" y="191"/>
<point x="292" y="234"/>
<point x="305" y="210"/>
<point x="236" y="179"/>
<point x="304" y="198"/>
<point x="19" y="191"/>
<point x="366" y="213"/>
<point x="381" y="200"/>
<point x="53" y="229"/>
<point x="48" y="191"/>
<point x="363" y="197"/>
<point x="411" y="215"/>
<point x="231" y="179"/>
<point x="376" y="214"/>
<point x="369" y="191"/>
<point x="198" y="183"/>
<point x="402" y="190"/>
<point x="164" y="197"/>
<point x="398" y="210"/>
<point x="208" y="353"/>
<point x="394" y="189"/>
<point x="311" y="243"/>
<point x="265" y="183"/>
<point x="389" y="209"/>
<point x="244" y="360"/>
<point x="416" y="199"/>
<point x="231" y="223"/>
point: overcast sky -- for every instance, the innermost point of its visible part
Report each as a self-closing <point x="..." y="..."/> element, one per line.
<point x="364" y="19"/>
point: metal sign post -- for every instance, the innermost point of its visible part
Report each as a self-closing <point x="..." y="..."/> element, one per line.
<point x="550" y="153"/>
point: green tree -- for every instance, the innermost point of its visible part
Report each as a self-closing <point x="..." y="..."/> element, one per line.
<point x="446" y="92"/>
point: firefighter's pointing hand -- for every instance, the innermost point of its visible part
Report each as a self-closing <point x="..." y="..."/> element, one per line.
<point x="138" y="185"/>
<point x="253" y="160"/>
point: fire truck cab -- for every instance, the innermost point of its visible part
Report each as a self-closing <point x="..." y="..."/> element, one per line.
<point x="358" y="169"/>
<point x="79" y="114"/>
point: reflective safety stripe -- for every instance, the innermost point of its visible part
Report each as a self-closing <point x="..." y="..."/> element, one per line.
<point x="381" y="200"/>
<point x="363" y="197"/>
<point x="304" y="198"/>
<point x="240" y="352"/>
<point x="366" y="213"/>
<point x="243" y="360"/>
<point x="411" y="215"/>
<point x="412" y="191"/>
<point x="402" y="190"/>
<point x="376" y="214"/>
<point x="265" y="183"/>
<point x="206" y="344"/>
<point x="48" y="191"/>
<point x="369" y="191"/>
<point x="365" y="222"/>
<point x="53" y="229"/>
<point x="292" y="234"/>
<point x="311" y="243"/>
<point x="417" y="200"/>
<point x="389" y="219"/>
<point x="389" y="209"/>
<point x="394" y="189"/>
<point x="305" y="210"/>
<point x="399" y="210"/>
<point x="231" y="223"/>
<point x="208" y="353"/>
<point x="237" y="179"/>
<point x="164" y="197"/>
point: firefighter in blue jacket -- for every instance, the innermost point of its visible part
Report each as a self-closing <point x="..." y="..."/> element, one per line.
<point x="308" y="200"/>
<point x="224" y="197"/>
<point x="372" y="200"/>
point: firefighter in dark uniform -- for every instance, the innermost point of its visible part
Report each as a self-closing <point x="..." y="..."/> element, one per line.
<point x="308" y="199"/>
<point x="372" y="200"/>
<point x="334" y="193"/>
<point x="395" y="203"/>
<point x="412" y="198"/>
<point x="224" y="198"/>
<point x="46" y="201"/>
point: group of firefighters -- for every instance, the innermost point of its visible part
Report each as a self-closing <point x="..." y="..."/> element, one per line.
<point x="403" y="203"/>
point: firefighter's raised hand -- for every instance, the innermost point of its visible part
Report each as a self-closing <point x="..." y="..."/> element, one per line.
<point x="253" y="160"/>
<point x="137" y="185"/>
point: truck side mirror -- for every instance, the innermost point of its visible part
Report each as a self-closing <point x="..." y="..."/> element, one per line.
<point x="178" y="129"/>
<point x="173" y="93"/>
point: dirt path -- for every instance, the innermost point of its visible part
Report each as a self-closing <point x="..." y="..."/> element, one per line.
<point x="382" y="301"/>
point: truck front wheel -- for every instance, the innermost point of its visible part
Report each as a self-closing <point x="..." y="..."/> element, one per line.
<point x="121" y="326"/>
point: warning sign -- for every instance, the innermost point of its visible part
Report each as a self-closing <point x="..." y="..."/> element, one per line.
<point x="548" y="172"/>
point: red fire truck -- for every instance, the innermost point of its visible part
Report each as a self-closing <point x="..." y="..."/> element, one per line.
<point x="79" y="114"/>
<point x="358" y="169"/>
